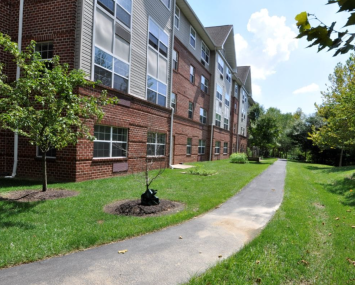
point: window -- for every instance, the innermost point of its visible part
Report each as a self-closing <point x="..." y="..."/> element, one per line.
<point x="51" y="153"/>
<point x="236" y="91"/>
<point x="205" y="54"/>
<point x="166" y="3"/>
<point x="112" y="43"/>
<point x="204" y="84"/>
<point x="217" y="147"/>
<point x="192" y="37"/>
<point x="226" y="124"/>
<point x="191" y="110"/>
<point x="201" y="146"/>
<point x="188" y="146"/>
<point x="235" y="108"/>
<point x="45" y="50"/>
<point x="175" y="60"/>
<point x="156" y="144"/>
<point x="157" y="65"/>
<point x="225" y="148"/>
<point x="227" y="99"/>
<point x="220" y="64"/>
<point x="192" y="74"/>
<point x="234" y="128"/>
<point x="177" y="17"/>
<point x="110" y="142"/>
<point x="228" y="75"/>
<point x="203" y="116"/>
<point x="173" y="101"/>
<point x="219" y="92"/>
<point x="218" y="120"/>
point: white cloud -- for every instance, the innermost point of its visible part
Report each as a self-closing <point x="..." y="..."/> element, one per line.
<point x="256" y="92"/>
<point x="307" y="89"/>
<point x="277" y="39"/>
<point x="240" y="44"/>
<point x="271" y="43"/>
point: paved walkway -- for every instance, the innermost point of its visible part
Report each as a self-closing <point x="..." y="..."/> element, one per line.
<point x="162" y="257"/>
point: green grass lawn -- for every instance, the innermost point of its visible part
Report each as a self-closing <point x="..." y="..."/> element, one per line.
<point x="33" y="231"/>
<point x="310" y="239"/>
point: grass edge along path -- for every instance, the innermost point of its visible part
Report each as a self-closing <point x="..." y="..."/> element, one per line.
<point x="310" y="240"/>
<point x="38" y="230"/>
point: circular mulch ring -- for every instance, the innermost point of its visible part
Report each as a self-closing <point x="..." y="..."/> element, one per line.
<point x="35" y="195"/>
<point x="134" y="208"/>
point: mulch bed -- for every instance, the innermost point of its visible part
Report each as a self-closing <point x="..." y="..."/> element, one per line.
<point x="134" y="208"/>
<point x="35" y="195"/>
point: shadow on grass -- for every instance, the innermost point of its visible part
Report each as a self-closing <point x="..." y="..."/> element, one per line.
<point x="344" y="187"/>
<point x="9" y="209"/>
<point x="20" y="183"/>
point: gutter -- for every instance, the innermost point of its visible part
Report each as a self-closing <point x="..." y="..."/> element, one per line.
<point x="171" y="150"/>
<point x="211" y="143"/>
<point x="14" y="169"/>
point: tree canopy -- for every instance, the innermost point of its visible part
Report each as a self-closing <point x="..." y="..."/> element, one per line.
<point x="327" y="36"/>
<point x="338" y="110"/>
<point x="42" y="104"/>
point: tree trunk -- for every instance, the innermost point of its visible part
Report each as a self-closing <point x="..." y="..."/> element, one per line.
<point x="341" y="157"/>
<point x="44" y="169"/>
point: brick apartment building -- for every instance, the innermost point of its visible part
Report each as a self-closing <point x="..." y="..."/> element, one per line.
<point x="182" y="96"/>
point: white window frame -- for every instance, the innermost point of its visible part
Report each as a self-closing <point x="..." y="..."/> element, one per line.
<point x="47" y="156"/>
<point x="175" y="60"/>
<point x="167" y="3"/>
<point x="94" y="45"/>
<point x="173" y="101"/>
<point x="191" y="110"/>
<point x="193" y="37"/>
<point x="218" y="120"/>
<point x="177" y="18"/>
<point x="201" y="146"/>
<point x="156" y="144"/>
<point x="161" y="30"/>
<point x="226" y="124"/>
<point x="192" y="75"/>
<point x="189" y="146"/>
<point x="217" y="147"/>
<point x="204" y="84"/>
<point x="220" y="64"/>
<point x="228" y="75"/>
<point x="219" y="95"/>
<point x="225" y="148"/>
<point x="203" y="116"/>
<point x="111" y="142"/>
<point x="206" y="50"/>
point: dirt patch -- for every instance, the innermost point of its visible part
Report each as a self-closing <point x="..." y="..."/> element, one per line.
<point x="318" y="205"/>
<point x="35" y="195"/>
<point x="134" y="208"/>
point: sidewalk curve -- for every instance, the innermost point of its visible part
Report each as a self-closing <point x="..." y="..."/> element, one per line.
<point x="162" y="257"/>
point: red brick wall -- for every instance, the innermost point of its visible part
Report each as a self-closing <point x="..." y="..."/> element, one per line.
<point x="189" y="92"/>
<point x="222" y="136"/>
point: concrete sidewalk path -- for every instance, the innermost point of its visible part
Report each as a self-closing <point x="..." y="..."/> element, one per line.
<point x="163" y="257"/>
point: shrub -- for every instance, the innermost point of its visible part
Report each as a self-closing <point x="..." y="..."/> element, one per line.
<point x="200" y="171"/>
<point x="238" y="157"/>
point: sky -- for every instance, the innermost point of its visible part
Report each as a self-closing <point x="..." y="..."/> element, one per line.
<point x="285" y="74"/>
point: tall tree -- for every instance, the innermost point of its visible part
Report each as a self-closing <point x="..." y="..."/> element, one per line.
<point x="43" y="106"/>
<point x="326" y="36"/>
<point x="338" y="110"/>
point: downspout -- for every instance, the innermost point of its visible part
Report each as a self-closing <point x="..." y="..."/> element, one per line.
<point x="171" y="139"/>
<point x="14" y="169"/>
<point x="211" y="143"/>
<point x="171" y="154"/>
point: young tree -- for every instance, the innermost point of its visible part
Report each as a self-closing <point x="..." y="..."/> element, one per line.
<point x="321" y="35"/>
<point x="338" y="110"/>
<point x="43" y="106"/>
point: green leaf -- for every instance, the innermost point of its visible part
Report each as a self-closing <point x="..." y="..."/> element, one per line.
<point x="351" y="20"/>
<point x="302" y="22"/>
